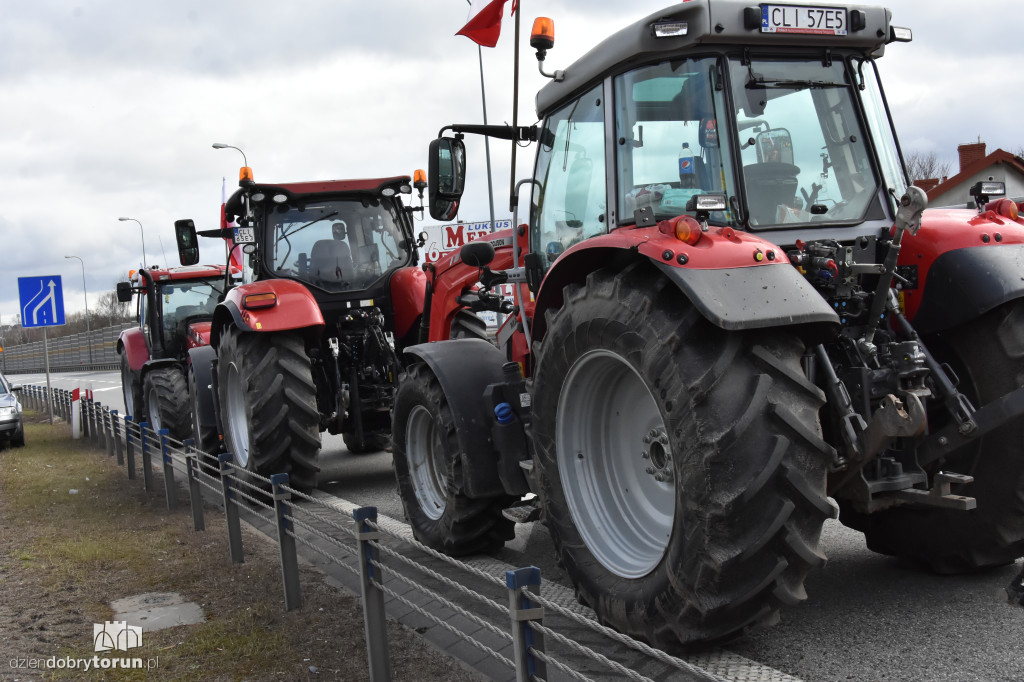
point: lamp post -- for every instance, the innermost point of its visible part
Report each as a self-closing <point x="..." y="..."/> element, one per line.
<point x="122" y="219"/>
<point x="221" y="145"/>
<point x="88" y="333"/>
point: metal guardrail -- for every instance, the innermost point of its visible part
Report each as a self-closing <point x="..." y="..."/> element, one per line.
<point x="93" y="350"/>
<point x="376" y="554"/>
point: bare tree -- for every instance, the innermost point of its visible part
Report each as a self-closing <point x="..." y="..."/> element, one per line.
<point x="921" y="166"/>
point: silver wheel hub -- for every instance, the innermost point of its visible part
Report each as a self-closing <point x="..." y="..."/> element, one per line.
<point x="425" y="454"/>
<point x="615" y="463"/>
<point x="237" y="420"/>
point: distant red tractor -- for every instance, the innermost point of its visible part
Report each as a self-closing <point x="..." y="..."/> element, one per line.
<point x="174" y="312"/>
<point x="731" y="310"/>
<point x="309" y="341"/>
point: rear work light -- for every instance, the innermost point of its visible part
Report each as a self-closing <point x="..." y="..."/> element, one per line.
<point x="670" y="29"/>
<point x="259" y="301"/>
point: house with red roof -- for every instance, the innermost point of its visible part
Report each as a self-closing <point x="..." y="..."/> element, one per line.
<point x="975" y="166"/>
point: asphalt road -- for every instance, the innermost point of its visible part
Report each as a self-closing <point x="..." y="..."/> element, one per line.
<point x="867" y="617"/>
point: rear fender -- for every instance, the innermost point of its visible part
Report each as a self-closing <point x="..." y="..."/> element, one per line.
<point x="133" y="344"/>
<point x="246" y="306"/>
<point x="963" y="284"/>
<point x="465" y="368"/>
<point x="733" y="298"/>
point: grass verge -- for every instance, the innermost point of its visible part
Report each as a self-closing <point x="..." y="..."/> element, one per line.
<point x="76" y="534"/>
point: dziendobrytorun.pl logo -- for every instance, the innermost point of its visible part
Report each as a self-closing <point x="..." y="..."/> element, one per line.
<point x="109" y="636"/>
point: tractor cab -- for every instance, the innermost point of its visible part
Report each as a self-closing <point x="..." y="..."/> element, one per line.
<point x="336" y="237"/>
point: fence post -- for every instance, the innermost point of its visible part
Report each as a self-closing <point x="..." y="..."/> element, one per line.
<point x="108" y="440"/>
<point x="524" y="639"/>
<point x="170" y="490"/>
<point x="374" y="620"/>
<point x="147" y="472"/>
<point x="231" y="508"/>
<point x="286" y="542"/>
<point x="129" y="447"/>
<point x="195" y="492"/>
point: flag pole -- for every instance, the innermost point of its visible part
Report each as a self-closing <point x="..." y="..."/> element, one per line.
<point x="515" y="117"/>
<point x="487" y="140"/>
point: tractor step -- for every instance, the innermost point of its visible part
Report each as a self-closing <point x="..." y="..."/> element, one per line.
<point x="523" y="513"/>
<point x="940" y="495"/>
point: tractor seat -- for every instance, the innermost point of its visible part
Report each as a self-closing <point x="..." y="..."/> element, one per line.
<point x="330" y="261"/>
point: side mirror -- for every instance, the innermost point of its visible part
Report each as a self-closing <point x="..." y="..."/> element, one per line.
<point x="477" y="254"/>
<point x="446" y="177"/>
<point x="124" y="292"/>
<point x="188" y="246"/>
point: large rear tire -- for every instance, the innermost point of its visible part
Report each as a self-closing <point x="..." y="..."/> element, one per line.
<point x="268" y="404"/>
<point x="167" y="403"/>
<point x="131" y="389"/>
<point x="987" y="354"/>
<point x="428" y="467"/>
<point x="682" y="468"/>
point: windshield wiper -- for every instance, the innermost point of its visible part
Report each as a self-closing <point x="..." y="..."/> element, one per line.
<point x="303" y="227"/>
<point x="783" y="83"/>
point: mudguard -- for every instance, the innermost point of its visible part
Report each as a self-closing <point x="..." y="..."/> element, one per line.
<point x="753" y="297"/>
<point x="464" y="368"/>
<point x="408" y="286"/>
<point x="294" y="308"/>
<point x="201" y="359"/>
<point x="965" y="283"/>
<point x="133" y="343"/>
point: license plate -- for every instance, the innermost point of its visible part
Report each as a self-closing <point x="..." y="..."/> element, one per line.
<point x="828" y="21"/>
<point x="245" y="235"/>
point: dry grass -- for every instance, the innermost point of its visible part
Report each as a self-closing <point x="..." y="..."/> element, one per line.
<point x="64" y="556"/>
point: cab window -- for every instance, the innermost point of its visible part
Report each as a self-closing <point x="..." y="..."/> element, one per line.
<point x="569" y="200"/>
<point x="668" y="147"/>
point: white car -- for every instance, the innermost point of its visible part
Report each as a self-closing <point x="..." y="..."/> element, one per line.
<point x="11" y="428"/>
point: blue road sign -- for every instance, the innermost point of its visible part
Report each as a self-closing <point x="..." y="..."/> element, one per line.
<point x="42" y="301"/>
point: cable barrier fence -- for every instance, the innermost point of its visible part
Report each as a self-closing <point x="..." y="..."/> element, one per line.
<point x="502" y="626"/>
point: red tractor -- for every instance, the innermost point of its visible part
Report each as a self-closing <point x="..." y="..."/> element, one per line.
<point x="732" y="309"/>
<point x="174" y="310"/>
<point x="309" y="341"/>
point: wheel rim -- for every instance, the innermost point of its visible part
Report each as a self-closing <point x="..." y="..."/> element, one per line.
<point x="152" y="400"/>
<point x="238" y="424"/>
<point x="615" y="464"/>
<point x="126" y="388"/>
<point x="425" y="455"/>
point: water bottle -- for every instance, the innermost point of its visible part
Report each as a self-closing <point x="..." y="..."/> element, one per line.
<point x="687" y="177"/>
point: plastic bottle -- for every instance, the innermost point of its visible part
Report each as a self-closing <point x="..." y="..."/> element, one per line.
<point x="687" y="175"/>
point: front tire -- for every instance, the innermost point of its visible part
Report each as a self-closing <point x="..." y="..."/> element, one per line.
<point x="428" y="466"/>
<point x="987" y="355"/>
<point x="682" y="468"/>
<point x="268" y="404"/>
<point x="167" y="403"/>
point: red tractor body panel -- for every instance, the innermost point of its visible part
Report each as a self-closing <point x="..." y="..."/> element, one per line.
<point x="325" y="186"/>
<point x="134" y="345"/>
<point x="198" y="334"/>
<point x="945" y="230"/>
<point x="408" y="287"/>
<point x="293" y="308"/>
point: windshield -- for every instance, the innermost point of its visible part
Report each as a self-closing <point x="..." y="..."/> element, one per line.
<point x="336" y="245"/>
<point x="185" y="301"/>
<point x="803" y="151"/>
<point x="668" y="146"/>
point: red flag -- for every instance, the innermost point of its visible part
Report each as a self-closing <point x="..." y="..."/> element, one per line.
<point x="484" y="25"/>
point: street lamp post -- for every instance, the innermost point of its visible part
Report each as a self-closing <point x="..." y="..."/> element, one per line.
<point x="88" y="332"/>
<point x="143" y="238"/>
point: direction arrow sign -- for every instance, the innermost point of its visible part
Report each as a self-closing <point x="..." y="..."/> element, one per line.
<point x="42" y="301"/>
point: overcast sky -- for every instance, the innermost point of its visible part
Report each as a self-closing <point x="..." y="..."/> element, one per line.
<point x="109" y="107"/>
